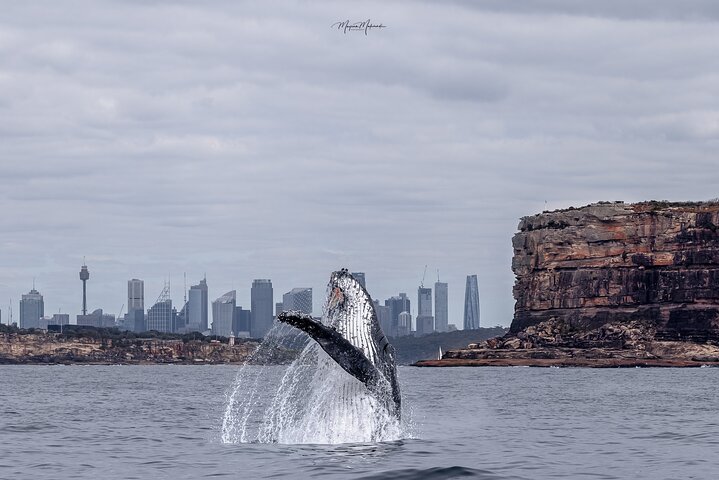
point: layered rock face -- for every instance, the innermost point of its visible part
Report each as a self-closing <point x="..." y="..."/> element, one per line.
<point x="614" y="263"/>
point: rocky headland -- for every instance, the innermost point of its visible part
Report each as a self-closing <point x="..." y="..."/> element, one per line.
<point x="611" y="284"/>
<point x="24" y="347"/>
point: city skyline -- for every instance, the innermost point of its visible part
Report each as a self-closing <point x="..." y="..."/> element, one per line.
<point x="162" y="315"/>
<point x="162" y="282"/>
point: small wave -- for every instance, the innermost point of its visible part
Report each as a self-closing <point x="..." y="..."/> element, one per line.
<point x="436" y="473"/>
<point x="28" y="427"/>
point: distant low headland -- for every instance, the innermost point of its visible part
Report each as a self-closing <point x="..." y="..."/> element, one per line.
<point x="611" y="285"/>
<point x="91" y="345"/>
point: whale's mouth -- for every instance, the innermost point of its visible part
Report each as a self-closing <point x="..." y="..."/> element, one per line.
<point x="337" y="298"/>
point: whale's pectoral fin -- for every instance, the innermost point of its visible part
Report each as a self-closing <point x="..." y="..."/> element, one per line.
<point x="352" y="360"/>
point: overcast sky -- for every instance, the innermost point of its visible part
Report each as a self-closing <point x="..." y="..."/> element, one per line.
<point x="252" y="140"/>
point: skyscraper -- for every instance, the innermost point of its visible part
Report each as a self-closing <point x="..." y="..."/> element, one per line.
<point x="359" y="276"/>
<point x="223" y="313"/>
<point x="261" y="299"/>
<point x="471" y="303"/>
<point x="32" y="309"/>
<point x="404" y="324"/>
<point x="197" y="313"/>
<point x="441" y="310"/>
<point x="383" y="317"/>
<point x="299" y="299"/>
<point x="159" y="316"/>
<point x="135" y="316"/>
<point x="396" y="306"/>
<point x="241" y="322"/>
<point x="135" y="294"/>
<point x="424" y="301"/>
<point x="425" y="320"/>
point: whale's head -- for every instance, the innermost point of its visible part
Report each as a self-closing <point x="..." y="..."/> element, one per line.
<point x="345" y="295"/>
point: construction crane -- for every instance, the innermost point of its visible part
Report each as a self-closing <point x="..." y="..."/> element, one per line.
<point x="421" y="285"/>
<point x="120" y="314"/>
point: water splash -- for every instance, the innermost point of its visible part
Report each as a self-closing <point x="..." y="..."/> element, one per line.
<point x="310" y="401"/>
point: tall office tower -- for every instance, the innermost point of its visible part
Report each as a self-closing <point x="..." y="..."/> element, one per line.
<point x="441" y="310"/>
<point x="241" y="322"/>
<point x="298" y="299"/>
<point x="383" y="317"/>
<point x="159" y="316"/>
<point x="396" y="306"/>
<point x="135" y="316"/>
<point x="404" y="324"/>
<point x="279" y="308"/>
<point x="471" y="303"/>
<point x="135" y="321"/>
<point x="135" y="294"/>
<point x="197" y="307"/>
<point x="223" y="313"/>
<point x="425" y="320"/>
<point x="84" y="276"/>
<point x="32" y="309"/>
<point x="424" y="301"/>
<point x="359" y="276"/>
<point x="261" y="299"/>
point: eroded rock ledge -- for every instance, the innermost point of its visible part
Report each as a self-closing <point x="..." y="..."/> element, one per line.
<point x="611" y="284"/>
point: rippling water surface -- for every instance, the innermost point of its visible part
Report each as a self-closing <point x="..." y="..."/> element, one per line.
<point x="494" y="423"/>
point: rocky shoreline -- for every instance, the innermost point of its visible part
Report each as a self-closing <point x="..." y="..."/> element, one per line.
<point x="557" y="363"/>
<point x="555" y="344"/>
<point x="50" y="348"/>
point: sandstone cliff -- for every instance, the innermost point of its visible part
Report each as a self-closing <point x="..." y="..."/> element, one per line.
<point x="613" y="284"/>
<point x="605" y="263"/>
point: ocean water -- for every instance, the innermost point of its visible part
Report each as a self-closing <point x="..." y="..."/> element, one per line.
<point x="164" y="422"/>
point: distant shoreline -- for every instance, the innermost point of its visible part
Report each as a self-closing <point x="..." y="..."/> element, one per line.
<point x="566" y="363"/>
<point x="33" y="361"/>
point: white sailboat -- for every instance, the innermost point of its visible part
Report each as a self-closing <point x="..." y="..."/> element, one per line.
<point x="439" y="357"/>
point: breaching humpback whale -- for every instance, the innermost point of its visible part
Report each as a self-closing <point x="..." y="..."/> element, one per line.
<point x="353" y="338"/>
